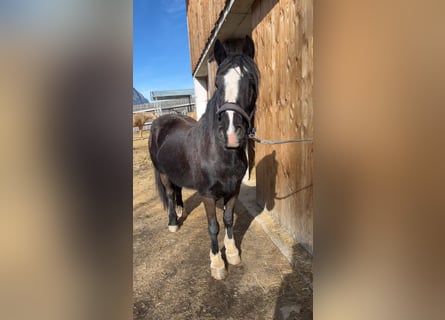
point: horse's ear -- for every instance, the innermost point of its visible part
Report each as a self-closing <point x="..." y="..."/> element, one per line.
<point x="249" y="47"/>
<point x="219" y="52"/>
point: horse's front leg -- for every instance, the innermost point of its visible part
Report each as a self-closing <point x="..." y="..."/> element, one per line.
<point x="217" y="266"/>
<point x="232" y="253"/>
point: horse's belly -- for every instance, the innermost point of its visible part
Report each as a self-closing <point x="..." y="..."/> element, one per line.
<point x="177" y="169"/>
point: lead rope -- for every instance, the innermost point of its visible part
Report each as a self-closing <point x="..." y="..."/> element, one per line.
<point x="263" y="141"/>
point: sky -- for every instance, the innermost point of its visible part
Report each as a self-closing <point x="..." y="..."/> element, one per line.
<point x="161" y="56"/>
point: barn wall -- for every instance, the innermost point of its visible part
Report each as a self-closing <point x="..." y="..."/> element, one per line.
<point x="212" y="67"/>
<point x="201" y="18"/>
<point x="282" y="32"/>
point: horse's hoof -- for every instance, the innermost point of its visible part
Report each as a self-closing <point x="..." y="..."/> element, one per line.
<point x="217" y="266"/>
<point x="233" y="258"/>
<point x="218" y="273"/>
<point x="173" y="228"/>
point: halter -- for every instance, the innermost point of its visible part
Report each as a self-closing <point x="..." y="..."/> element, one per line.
<point x="235" y="107"/>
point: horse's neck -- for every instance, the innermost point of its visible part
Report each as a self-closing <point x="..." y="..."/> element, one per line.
<point x="206" y="123"/>
<point x="202" y="134"/>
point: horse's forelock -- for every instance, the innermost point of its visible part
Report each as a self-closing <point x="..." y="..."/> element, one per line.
<point x="246" y="64"/>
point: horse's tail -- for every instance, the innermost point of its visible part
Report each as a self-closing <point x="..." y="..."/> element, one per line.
<point x="153" y="147"/>
<point x="161" y="189"/>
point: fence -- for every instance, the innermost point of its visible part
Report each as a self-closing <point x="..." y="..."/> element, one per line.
<point x="163" y="104"/>
<point x="167" y="108"/>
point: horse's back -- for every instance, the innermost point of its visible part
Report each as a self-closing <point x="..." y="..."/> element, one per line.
<point x="168" y="125"/>
<point x="176" y="120"/>
<point x="168" y="142"/>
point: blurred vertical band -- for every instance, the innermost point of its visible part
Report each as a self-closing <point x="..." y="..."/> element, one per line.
<point x="379" y="159"/>
<point x="66" y="163"/>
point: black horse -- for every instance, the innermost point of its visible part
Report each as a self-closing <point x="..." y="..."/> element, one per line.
<point x="210" y="155"/>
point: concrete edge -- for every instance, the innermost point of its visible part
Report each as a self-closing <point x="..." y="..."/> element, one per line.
<point x="279" y="237"/>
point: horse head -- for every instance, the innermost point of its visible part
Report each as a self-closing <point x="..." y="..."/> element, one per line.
<point x="236" y="89"/>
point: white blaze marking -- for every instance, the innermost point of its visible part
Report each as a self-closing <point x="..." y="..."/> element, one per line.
<point x="231" y="128"/>
<point x="231" y="83"/>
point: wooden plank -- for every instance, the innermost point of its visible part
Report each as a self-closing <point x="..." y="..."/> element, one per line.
<point x="212" y="68"/>
<point x="202" y="16"/>
<point x="282" y="32"/>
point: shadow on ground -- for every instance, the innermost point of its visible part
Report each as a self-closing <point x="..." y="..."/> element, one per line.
<point x="295" y="301"/>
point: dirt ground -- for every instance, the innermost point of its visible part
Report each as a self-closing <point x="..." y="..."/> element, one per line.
<point x="171" y="271"/>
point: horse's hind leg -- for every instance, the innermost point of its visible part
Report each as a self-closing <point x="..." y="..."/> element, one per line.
<point x="232" y="253"/>
<point x="170" y="191"/>
<point x="179" y="203"/>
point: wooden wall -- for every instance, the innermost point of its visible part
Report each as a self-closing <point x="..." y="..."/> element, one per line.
<point x="201" y="18"/>
<point x="283" y="36"/>
<point x="212" y="67"/>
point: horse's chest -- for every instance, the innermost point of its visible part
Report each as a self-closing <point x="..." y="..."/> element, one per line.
<point x="225" y="183"/>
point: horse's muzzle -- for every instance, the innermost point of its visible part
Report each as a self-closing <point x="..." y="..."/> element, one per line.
<point x="232" y="140"/>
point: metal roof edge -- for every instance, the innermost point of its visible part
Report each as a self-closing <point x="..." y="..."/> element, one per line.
<point x="213" y="35"/>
